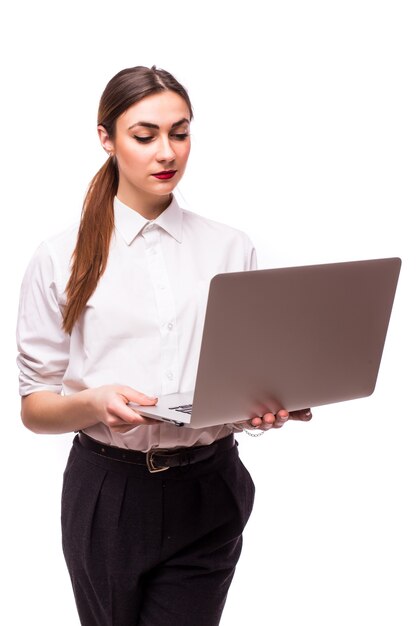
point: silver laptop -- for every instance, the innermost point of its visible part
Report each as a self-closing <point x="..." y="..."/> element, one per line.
<point x="290" y="338"/>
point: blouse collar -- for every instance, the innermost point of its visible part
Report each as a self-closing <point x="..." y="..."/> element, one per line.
<point x="130" y="223"/>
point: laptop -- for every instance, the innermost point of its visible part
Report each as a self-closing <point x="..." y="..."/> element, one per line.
<point x="292" y="338"/>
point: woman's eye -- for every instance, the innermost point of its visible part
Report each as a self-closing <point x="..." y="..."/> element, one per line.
<point x="143" y="139"/>
<point x="177" y="136"/>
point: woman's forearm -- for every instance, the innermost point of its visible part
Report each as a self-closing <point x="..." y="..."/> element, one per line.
<point x="46" y="412"/>
<point x="49" y="413"/>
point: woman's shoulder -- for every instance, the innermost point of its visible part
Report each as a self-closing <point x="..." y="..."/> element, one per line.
<point x="207" y="225"/>
<point x="56" y="250"/>
<point x="62" y="241"/>
<point x="229" y="248"/>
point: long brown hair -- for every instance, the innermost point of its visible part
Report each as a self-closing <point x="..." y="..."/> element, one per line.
<point x="91" y="252"/>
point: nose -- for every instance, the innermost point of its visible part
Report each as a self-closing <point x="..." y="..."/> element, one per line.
<point x="165" y="151"/>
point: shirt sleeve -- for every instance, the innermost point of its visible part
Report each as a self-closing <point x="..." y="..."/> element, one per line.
<point x="43" y="346"/>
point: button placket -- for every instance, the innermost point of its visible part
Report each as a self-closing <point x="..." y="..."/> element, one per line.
<point x="165" y="305"/>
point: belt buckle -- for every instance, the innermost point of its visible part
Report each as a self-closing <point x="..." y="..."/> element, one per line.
<point x="154" y="469"/>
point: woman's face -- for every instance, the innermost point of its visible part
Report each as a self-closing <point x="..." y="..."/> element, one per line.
<point x="151" y="145"/>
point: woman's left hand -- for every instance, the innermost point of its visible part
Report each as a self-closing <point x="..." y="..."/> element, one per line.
<point x="269" y="420"/>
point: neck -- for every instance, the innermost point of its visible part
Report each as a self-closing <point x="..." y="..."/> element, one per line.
<point x="149" y="206"/>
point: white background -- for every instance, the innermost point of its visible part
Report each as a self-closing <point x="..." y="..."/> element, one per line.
<point x="305" y="136"/>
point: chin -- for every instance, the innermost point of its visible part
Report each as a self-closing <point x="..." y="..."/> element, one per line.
<point x="163" y="192"/>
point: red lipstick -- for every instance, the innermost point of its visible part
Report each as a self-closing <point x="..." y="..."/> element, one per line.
<point x="165" y="175"/>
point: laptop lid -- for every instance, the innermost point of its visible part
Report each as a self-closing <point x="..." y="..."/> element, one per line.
<point x="291" y="338"/>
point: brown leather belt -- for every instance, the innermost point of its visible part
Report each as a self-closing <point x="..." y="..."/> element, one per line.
<point x="158" y="459"/>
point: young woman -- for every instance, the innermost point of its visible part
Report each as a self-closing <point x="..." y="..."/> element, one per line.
<point x="112" y="313"/>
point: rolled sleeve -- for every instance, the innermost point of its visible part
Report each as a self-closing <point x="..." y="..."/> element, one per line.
<point x="43" y="346"/>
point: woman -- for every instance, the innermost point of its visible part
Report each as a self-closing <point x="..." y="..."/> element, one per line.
<point x="112" y="314"/>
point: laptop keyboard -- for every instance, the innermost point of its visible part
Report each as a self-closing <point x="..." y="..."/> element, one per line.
<point x="185" y="408"/>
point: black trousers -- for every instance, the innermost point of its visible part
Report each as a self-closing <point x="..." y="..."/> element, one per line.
<point x="148" y="549"/>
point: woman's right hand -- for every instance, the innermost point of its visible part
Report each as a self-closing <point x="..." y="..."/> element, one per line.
<point x="52" y="413"/>
<point x="110" y="404"/>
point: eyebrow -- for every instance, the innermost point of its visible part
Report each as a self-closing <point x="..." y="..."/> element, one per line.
<point x="150" y="125"/>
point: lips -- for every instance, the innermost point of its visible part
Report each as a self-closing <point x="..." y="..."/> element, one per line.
<point x="165" y="175"/>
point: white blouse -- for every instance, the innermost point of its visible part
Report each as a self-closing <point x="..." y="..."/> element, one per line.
<point x="143" y="325"/>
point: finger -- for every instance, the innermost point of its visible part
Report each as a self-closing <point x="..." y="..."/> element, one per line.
<point x="131" y="416"/>
<point x="265" y="422"/>
<point x="120" y="409"/>
<point x="281" y="418"/>
<point x="269" y="419"/>
<point x="255" y="422"/>
<point x="130" y="400"/>
<point x="303" y="415"/>
<point x="137" y="397"/>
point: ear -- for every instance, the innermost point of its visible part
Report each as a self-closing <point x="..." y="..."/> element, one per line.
<point x="105" y="140"/>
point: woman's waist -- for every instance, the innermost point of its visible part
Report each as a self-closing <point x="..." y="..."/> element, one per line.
<point x="160" y="436"/>
<point x="156" y="459"/>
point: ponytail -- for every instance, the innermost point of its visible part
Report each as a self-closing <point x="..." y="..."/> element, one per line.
<point x="91" y="252"/>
